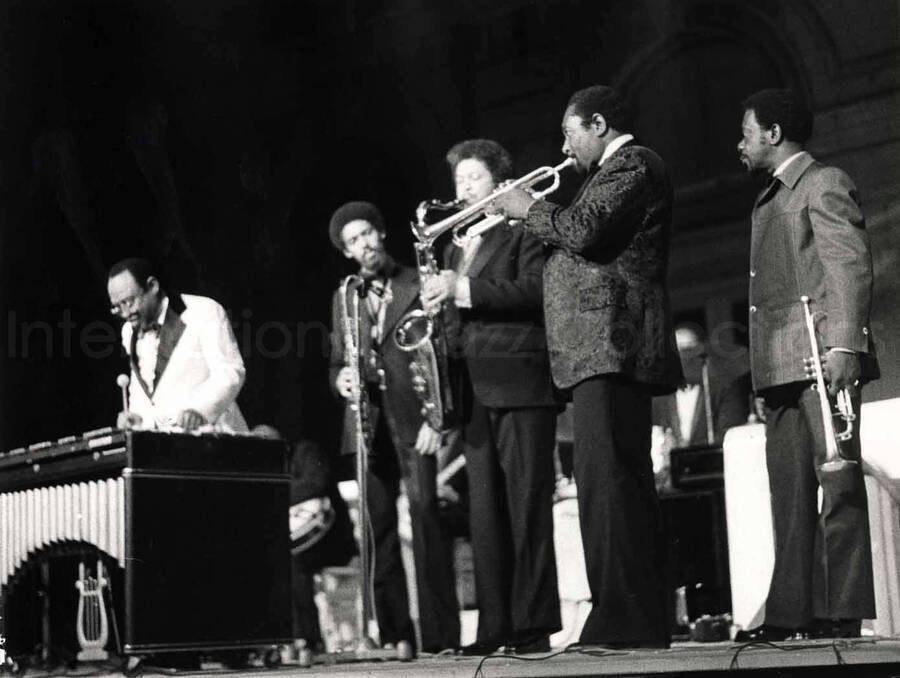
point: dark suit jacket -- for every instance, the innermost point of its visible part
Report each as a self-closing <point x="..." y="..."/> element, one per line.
<point x="503" y="339"/>
<point x="605" y="299"/>
<point x="808" y="238"/>
<point x="730" y="404"/>
<point x="401" y="405"/>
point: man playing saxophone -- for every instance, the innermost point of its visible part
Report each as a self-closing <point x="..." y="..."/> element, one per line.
<point x="402" y="443"/>
<point x="494" y="282"/>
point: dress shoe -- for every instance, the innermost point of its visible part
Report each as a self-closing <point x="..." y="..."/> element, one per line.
<point x="441" y="650"/>
<point x="479" y="649"/>
<point x="767" y="633"/>
<point x="836" y="628"/>
<point x="529" y="644"/>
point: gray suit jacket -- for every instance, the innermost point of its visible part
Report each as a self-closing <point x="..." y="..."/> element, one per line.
<point x="605" y="301"/>
<point x="808" y="238"/>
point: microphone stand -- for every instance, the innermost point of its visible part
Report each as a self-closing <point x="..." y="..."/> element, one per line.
<point x="366" y="648"/>
<point x="707" y="402"/>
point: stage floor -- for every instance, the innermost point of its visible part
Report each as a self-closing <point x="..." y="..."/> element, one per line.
<point x="869" y="657"/>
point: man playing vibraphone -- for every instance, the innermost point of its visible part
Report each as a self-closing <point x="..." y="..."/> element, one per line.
<point x="186" y="369"/>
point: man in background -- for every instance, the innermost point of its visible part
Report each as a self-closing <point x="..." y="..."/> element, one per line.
<point x="709" y="402"/>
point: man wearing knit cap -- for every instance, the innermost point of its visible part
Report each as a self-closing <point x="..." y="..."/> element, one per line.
<point x="402" y="444"/>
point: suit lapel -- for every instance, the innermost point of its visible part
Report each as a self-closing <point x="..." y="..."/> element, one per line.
<point x="169" y="334"/>
<point x="491" y="241"/>
<point x="769" y="199"/>
<point x="404" y="292"/>
<point x="135" y="368"/>
<point x="599" y="168"/>
<point x="587" y="181"/>
<point x="763" y="205"/>
<point x="453" y="256"/>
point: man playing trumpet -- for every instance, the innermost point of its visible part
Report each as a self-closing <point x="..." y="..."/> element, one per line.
<point x="611" y="345"/>
<point x="494" y="282"/>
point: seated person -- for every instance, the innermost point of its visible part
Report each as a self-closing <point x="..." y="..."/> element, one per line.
<point x="680" y="418"/>
<point x="684" y="412"/>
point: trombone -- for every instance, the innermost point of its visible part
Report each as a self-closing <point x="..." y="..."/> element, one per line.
<point x="475" y="218"/>
<point x="833" y="459"/>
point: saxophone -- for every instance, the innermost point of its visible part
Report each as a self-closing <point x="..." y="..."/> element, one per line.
<point x="422" y="333"/>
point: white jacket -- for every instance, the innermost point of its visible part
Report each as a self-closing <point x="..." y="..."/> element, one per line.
<point x="204" y="371"/>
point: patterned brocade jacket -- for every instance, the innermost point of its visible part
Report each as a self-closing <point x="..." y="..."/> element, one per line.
<point x="605" y="302"/>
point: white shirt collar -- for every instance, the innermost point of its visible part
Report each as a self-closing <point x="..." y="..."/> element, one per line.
<point x="614" y="146"/>
<point x="783" y="166"/>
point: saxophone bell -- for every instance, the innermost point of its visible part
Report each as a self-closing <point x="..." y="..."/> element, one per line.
<point x="414" y="330"/>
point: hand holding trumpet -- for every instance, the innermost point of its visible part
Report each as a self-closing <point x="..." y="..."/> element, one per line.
<point x="840" y="370"/>
<point x="513" y="204"/>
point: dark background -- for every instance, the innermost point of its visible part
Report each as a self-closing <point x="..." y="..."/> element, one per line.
<point x="218" y="137"/>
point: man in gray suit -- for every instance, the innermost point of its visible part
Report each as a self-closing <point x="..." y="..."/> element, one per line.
<point x="611" y="344"/>
<point x="808" y="239"/>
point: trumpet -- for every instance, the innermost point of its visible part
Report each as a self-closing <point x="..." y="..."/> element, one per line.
<point x="475" y="218"/>
<point x="843" y="405"/>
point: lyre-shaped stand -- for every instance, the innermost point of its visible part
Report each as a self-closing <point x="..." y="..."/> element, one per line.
<point x="91" y="626"/>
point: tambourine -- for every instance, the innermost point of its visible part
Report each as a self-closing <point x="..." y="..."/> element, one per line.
<point x="309" y="521"/>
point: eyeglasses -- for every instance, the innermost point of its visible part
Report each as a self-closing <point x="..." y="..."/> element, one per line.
<point x="126" y="304"/>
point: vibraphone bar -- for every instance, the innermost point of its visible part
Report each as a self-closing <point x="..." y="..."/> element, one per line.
<point x="90" y="511"/>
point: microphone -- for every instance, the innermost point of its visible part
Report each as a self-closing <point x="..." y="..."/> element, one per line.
<point x="122" y="380"/>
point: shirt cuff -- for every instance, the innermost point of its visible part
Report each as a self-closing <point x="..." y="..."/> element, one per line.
<point x="462" y="294"/>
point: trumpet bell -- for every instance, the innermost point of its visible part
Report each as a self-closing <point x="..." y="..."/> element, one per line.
<point x="414" y="330"/>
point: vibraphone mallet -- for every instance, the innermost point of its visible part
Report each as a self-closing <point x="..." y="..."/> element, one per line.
<point x="122" y="380"/>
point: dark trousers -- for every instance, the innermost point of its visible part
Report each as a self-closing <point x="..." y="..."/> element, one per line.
<point x="391" y="599"/>
<point x="621" y="527"/>
<point x="433" y="555"/>
<point x="509" y="462"/>
<point x="823" y="560"/>
<point x="432" y="551"/>
<point x="305" y="614"/>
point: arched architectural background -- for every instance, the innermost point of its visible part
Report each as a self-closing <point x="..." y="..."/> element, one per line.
<point x="270" y="114"/>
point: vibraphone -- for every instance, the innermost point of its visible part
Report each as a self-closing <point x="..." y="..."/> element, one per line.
<point x="195" y="528"/>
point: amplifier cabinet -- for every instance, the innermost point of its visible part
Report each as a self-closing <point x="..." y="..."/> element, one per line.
<point x="697" y="467"/>
<point x="203" y="525"/>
